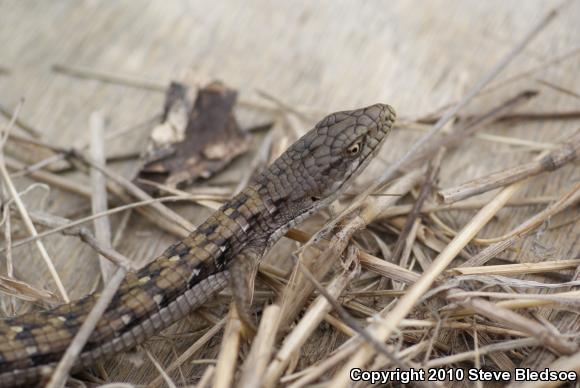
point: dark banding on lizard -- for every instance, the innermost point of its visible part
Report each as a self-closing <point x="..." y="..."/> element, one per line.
<point x="224" y="250"/>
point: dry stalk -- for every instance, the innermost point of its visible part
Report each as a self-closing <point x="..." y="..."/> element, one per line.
<point x="8" y="113"/>
<point x="286" y="108"/>
<point x="24" y="291"/>
<point x="300" y="288"/>
<point x="53" y="180"/>
<point x="338" y="325"/>
<point x="542" y="116"/>
<point x="206" y="378"/>
<point x="508" y="140"/>
<point x="430" y="177"/>
<point x="555" y="60"/>
<point x="105" y="250"/>
<point x="466" y="356"/>
<point x="558" y="88"/>
<point x="348" y="319"/>
<point x="230" y="347"/>
<point x="159" y="368"/>
<point x="532" y="301"/>
<point x="114" y="78"/>
<point x="409" y="323"/>
<point x="516" y="269"/>
<point x="408" y="301"/>
<point x="187" y="354"/>
<point x="470" y="127"/>
<point x="324" y="366"/>
<point x="262" y="347"/>
<point x="501" y="83"/>
<point x="150" y="214"/>
<point x="305" y="327"/>
<point x="71" y="355"/>
<point x="24" y="212"/>
<point x="402" y="210"/>
<point x="566" y="363"/>
<point x="259" y="160"/>
<point x="6" y="221"/>
<point x="387" y="269"/>
<point x="524" y="229"/>
<point x="94" y="216"/>
<point x="44" y="163"/>
<point x="99" y="192"/>
<point x="83" y="144"/>
<point x="570" y="297"/>
<point x="556" y="159"/>
<point x="516" y="321"/>
<point x="135" y="191"/>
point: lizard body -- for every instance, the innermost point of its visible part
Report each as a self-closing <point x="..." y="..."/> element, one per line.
<point x="222" y="251"/>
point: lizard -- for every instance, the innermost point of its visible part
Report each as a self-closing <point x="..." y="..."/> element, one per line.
<point x="224" y="250"/>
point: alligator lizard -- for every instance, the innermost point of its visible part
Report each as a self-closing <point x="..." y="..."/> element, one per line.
<point x="223" y="250"/>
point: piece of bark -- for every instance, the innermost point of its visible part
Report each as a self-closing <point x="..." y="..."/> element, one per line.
<point x="194" y="142"/>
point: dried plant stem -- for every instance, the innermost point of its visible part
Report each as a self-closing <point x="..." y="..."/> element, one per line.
<point x="24" y="213"/>
<point x="52" y="179"/>
<point x="85" y="235"/>
<point x="518" y="322"/>
<point x="516" y="269"/>
<point x="150" y="214"/>
<point x="299" y="288"/>
<point x="554" y="160"/>
<point x="509" y="140"/>
<point x="99" y="192"/>
<point x="260" y="159"/>
<point x="262" y="347"/>
<point x="159" y="368"/>
<point x="67" y="361"/>
<point x="408" y="301"/>
<point x="135" y="191"/>
<point x="41" y="164"/>
<point x="473" y="204"/>
<point x="230" y="347"/>
<point x="206" y="378"/>
<point x="115" y="78"/>
<point x="282" y="105"/>
<point x="194" y="348"/>
<point x="430" y="176"/>
<point x="555" y="60"/>
<point x="367" y="261"/>
<point x="470" y="127"/>
<point x="465" y="356"/>
<point x="541" y="116"/>
<point x="567" y="364"/>
<point x="19" y="123"/>
<point x="304" y="329"/>
<point x="523" y="230"/>
<point x="407" y="323"/>
<point x="92" y="217"/>
<point x="558" y="88"/>
<point x="387" y="269"/>
<point x="7" y="231"/>
<point x="563" y="297"/>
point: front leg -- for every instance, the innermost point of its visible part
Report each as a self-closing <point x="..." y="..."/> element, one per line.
<point x="242" y="276"/>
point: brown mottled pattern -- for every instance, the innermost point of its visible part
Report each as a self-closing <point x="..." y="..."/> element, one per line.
<point x="308" y="176"/>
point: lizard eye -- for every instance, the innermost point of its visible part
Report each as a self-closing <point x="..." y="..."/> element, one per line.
<point x="353" y="149"/>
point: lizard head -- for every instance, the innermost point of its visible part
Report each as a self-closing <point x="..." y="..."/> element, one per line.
<point x="337" y="149"/>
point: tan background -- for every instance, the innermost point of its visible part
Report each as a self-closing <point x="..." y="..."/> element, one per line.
<point x="324" y="55"/>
